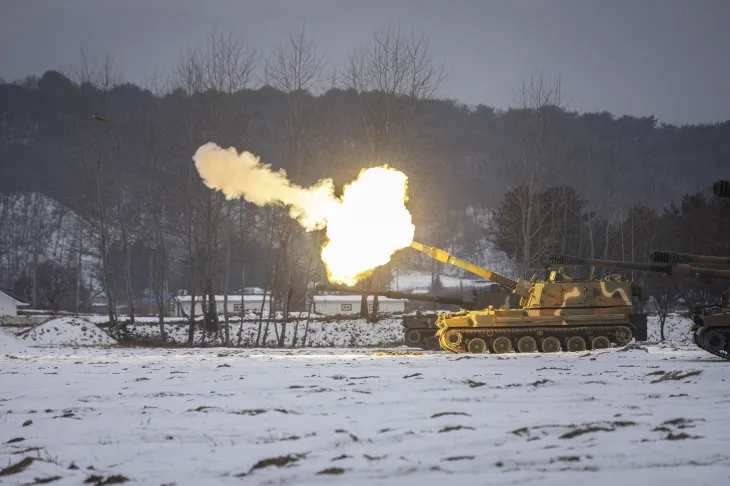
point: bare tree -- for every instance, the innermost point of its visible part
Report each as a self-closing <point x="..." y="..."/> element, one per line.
<point x="297" y="68"/>
<point x="392" y="74"/>
<point x="539" y="102"/>
<point x="210" y="76"/>
<point x="96" y="170"/>
<point x="155" y="197"/>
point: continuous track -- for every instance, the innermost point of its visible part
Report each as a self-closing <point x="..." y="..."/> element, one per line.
<point x="535" y="339"/>
<point x="713" y="339"/>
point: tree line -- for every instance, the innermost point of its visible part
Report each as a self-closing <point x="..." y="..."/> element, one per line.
<point x="534" y="179"/>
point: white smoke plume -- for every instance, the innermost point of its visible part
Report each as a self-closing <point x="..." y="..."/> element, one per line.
<point x="243" y="175"/>
<point x="364" y="228"/>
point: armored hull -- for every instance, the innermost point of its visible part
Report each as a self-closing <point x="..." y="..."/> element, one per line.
<point x="711" y="329"/>
<point x="420" y="332"/>
<point x="710" y="323"/>
<point x="420" y="329"/>
<point x="587" y="319"/>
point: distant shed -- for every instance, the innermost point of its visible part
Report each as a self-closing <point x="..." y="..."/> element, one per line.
<point x="332" y="305"/>
<point x="180" y="305"/>
<point x="9" y="303"/>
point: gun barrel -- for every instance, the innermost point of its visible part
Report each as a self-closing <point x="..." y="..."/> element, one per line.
<point x="445" y="257"/>
<point x="671" y="257"/>
<point x="675" y="270"/>
<point x="391" y="294"/>
<point x="574" y="260"/>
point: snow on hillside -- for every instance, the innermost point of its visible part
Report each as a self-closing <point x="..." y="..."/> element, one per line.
<point x="67" y="331"/>
<point x="306" y="417"/>
<point x="10" y="344"/>
<point x="34" y="219"/>
<point x="342" y="333"/>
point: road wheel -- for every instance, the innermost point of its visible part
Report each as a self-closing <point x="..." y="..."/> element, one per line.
<point x="600" y="342"/>
<point x="413" y="337"/>
<point x="527" y="344"/>
<point x="551" y="344"/>
<point x="623" y="335"/>
<point x="576" y="343"/>
<point x="502" y="345"/>
<point x="432" y="343"/>
<point x="477" y="346"/>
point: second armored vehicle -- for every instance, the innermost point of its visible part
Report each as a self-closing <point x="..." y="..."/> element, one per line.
<point x="420" y="328"/>
<point x="711" y="323"/>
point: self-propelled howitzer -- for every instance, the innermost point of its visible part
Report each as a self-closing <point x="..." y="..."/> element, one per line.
<point x="557" y="314"/>
<point x="711" y="323"/>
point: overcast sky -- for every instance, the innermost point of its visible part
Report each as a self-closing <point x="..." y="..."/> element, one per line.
<point x="669" y="58"/>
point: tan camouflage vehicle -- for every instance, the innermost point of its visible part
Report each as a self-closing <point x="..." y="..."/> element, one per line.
<point x="553" y="315"/>
<point x="556" y="314"/>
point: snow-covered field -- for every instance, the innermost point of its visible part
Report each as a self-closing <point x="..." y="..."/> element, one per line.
<point x="226" y="416"/>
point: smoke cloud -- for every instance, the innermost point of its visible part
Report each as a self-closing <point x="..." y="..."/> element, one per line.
<point x="364" y="228"/>
<point x="243" y="175"/>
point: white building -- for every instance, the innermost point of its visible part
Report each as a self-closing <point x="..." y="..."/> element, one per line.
<point x="332" y="305"/>
<point x="180" y="304"/>
<point x="9" y="304"/>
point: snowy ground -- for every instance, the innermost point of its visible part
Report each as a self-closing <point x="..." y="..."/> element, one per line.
<point x="223" y="416"/>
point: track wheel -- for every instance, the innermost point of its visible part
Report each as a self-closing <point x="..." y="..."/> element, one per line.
<point x="527" y="344"/>
<point x="477" y="346"/>
<point x="623" y="335"/>
<point x="432" y="343"/>
<point x="575" y="344"/>
<point x="502" y="345"/>
<point x="413" y="337"/>
<point x="550" y="344"/>
<point x="600" y="342"/>
<point x="453" y="338"/>
<point x="715" y="340"/>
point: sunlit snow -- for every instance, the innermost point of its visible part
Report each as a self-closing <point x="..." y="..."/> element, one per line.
<point x="398" y="416"/>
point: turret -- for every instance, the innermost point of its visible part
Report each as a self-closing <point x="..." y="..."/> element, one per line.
<point x="439" y="299"/>
<point x="675" y="270"/>
<point x="519" y="287"/>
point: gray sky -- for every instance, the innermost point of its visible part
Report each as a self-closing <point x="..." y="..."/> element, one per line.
<point x="669" y="58"/>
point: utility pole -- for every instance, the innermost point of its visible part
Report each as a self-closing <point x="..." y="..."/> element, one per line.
<point x="35" y="277"/>
<point x="78" y="272"/>
<point x="243" y="291"/>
